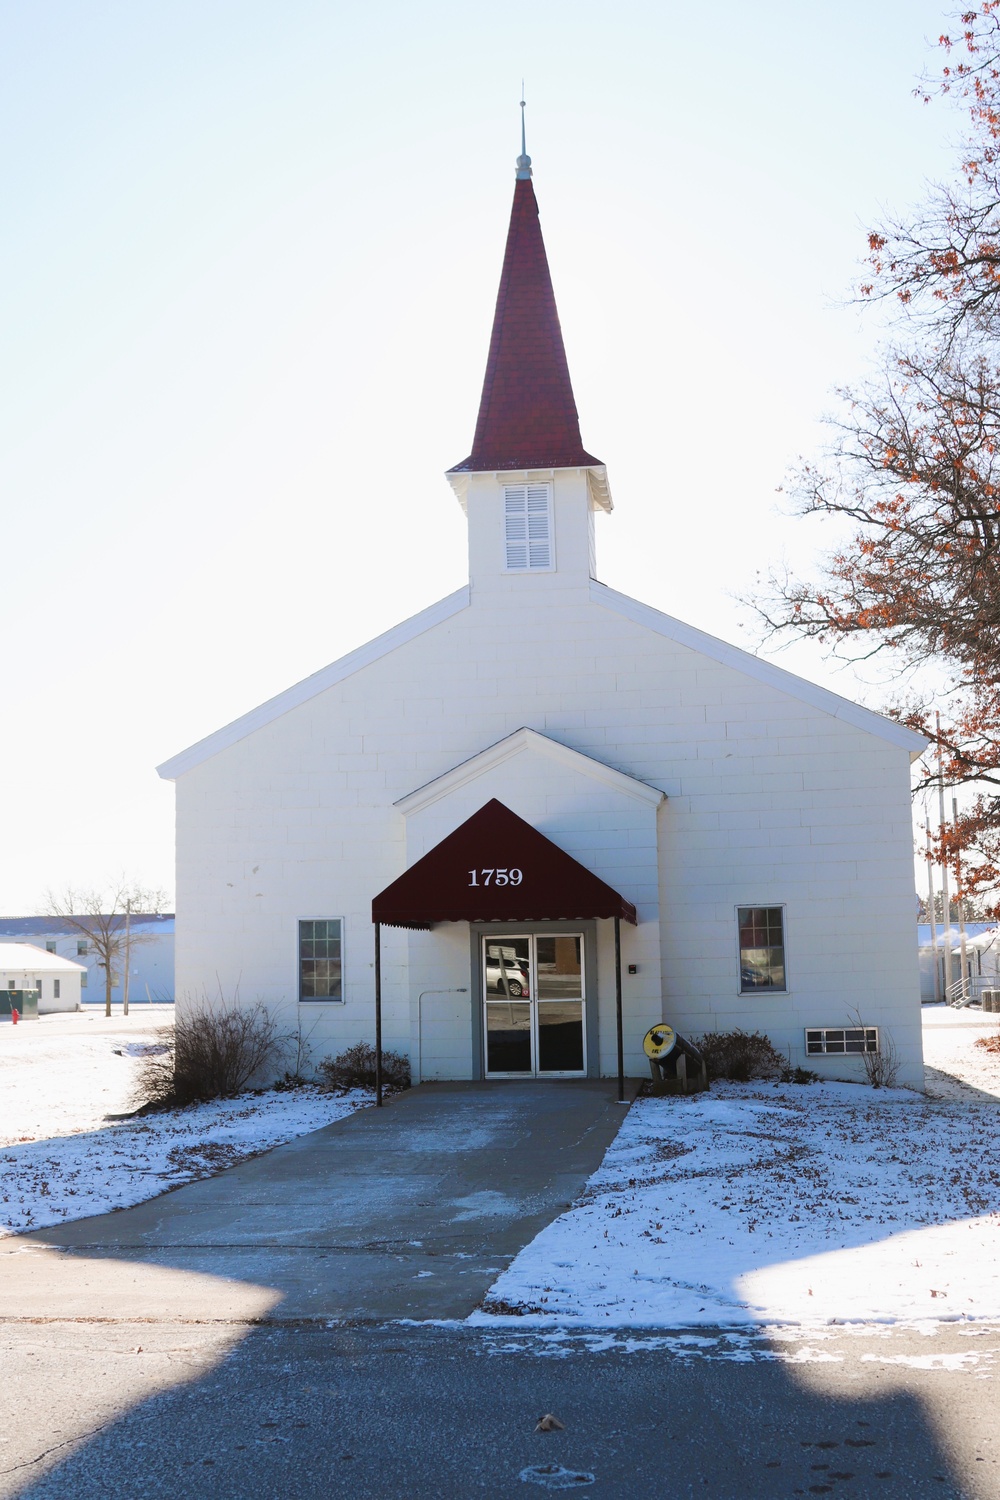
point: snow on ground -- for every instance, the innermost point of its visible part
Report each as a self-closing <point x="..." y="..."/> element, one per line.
<point x="954" y="1067"/>
<point x="66" y="1072"/>
<point x="62" y="1159"/>
<point x="769" y="1203"/>
<point x="775" y="1344"/>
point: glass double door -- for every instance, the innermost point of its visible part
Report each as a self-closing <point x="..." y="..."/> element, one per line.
<point x="534" y="1000"/>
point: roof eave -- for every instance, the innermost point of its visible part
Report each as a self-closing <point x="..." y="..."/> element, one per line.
<point x="516" y="743"/>
<point x="311" y="687"/>
<point x="598" y="486"/>
<point x="760" y="669"/>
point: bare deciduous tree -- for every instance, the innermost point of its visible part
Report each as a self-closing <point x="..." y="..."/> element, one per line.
<point x="104" y="918"/>
<point x="913" y="475"/>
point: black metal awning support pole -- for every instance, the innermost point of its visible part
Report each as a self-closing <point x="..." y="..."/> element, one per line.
<point x="618" y="1009"/>
<point x="378" y="1014"/>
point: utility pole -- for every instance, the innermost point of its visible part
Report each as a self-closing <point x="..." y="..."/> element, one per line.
<point x="960" y="898"/>
<point x="128" y="919"/>
<point x="945" y="897"/>
<point x="930" y="912"/>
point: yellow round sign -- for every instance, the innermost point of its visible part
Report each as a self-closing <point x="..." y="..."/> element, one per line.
<point x="659" y="1042"/>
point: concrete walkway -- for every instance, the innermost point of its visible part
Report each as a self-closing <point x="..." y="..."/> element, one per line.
<point x="409" y="1211"/>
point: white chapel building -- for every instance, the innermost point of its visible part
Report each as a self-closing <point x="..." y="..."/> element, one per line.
<point x="547" y="806"/>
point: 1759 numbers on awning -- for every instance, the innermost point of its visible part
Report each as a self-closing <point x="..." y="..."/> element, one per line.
<point x="495" y="877"/>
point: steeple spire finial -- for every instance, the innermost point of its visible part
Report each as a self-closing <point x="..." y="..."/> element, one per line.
<point x="527" y="414"/>
<point x="524" y="160"/>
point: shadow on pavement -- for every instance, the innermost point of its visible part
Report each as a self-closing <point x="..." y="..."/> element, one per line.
<point x="419" y="1412"/>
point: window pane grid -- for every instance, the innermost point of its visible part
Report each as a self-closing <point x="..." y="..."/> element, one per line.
<point x="320" y="959"/>
<point x="762" y="948"/>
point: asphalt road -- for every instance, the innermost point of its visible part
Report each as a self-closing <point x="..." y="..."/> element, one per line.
<point x="98" y="1411"/>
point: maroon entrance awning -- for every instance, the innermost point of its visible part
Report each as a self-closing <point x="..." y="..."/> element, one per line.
<point x="496" y="868"/>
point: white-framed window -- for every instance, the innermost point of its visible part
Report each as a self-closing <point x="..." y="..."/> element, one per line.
<point x="50" y="947"/>
<point x="529" y="544"/>
<point x="83" y="980"/>
<point x="82" y="947"/>
<point x="56" y="986"/>
<point x="841" y="1040"/>
<point x="321" y="959"/>
<point x="762" y="949"/>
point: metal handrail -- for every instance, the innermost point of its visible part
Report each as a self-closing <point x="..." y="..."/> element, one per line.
<point x="969" y="990"/>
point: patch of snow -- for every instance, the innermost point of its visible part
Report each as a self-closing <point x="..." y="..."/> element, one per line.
<point x="65" y="1073"/>
<point x="732" y="1346"/>
<point x="60" y="1156"/>
<point x="956" y="1068"/>
<point x="143" y="1049"/>
<point x="762" y="1204"/>
<point x="965" y="1362"/>
<point x="555" y="1477"/>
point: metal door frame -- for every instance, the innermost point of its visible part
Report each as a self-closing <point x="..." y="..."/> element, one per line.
<point x="588" y="929"/>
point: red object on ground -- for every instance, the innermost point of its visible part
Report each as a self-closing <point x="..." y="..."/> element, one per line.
<point x="527" y="415"/>
<point x="495" y="867"/>
<point x="15" y="1014"/>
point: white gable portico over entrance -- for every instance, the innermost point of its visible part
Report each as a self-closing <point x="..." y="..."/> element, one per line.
<point x="555" y="788"/>
<point x="606" y="820"/>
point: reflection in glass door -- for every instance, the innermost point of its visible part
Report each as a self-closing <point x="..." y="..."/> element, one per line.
<point x="533" y="999"/>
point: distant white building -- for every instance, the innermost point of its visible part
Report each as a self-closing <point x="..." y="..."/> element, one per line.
<point x="982" y="958"/>
<point x="35" y="982"/>
<point x="151" y="962"/>
<point x="490" y="795"/>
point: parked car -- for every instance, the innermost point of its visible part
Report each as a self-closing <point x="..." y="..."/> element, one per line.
<point x="517" y="977"/>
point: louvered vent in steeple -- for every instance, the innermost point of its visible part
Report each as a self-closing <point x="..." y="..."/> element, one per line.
<point x="528" y="527"/>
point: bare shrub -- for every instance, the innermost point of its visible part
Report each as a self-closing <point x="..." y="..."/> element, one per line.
<point x="211" y="1054"/>
<point x="798" y="1074"/>
<point x="740" y="1055"/>
<point x="355" y="1069"/>
<point x="297" y="1075"/>
<point x="990" y="1043"/>
<point x="882" y="1066"/>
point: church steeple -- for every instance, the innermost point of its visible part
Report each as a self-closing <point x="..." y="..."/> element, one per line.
<point x="527" y="414"/>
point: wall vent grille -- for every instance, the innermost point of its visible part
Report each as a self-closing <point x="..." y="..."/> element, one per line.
<point x="841" y="1040"/>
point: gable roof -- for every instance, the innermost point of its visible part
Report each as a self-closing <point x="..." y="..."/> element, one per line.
<point x="759" y="669"/>
<point x="551" y="884"/>
<point x="642" y="614"/>
<point x="311" y="687"/>
<point x="527" y="412"/>
<point x="15" y="927"/>
<point x="516" y="744"/>
<point x="26" y="958"/>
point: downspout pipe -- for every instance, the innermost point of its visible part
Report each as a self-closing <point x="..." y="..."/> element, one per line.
<point x="378" y="1014"/>
<point x="618" y="1009"/>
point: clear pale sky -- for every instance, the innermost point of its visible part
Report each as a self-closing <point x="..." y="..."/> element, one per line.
<point x="249" y="256"/>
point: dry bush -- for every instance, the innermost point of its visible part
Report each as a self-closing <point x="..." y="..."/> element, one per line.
<point x="798" y="1074"/>
<point x="355" y="1069"/>
<point x="740" y="1055"/>
<point x="989" y="1043"/>
<point x="212" y="1054"/>
<point x="882" y="1066"/>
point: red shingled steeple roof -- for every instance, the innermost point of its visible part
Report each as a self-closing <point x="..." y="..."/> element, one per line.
<point x="527" y="415"/>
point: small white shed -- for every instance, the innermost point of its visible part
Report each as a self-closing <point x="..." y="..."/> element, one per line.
<point x="27" y="970"/>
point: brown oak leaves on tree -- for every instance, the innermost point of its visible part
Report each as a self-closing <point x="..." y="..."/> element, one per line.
<point x="914" y="470"/>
